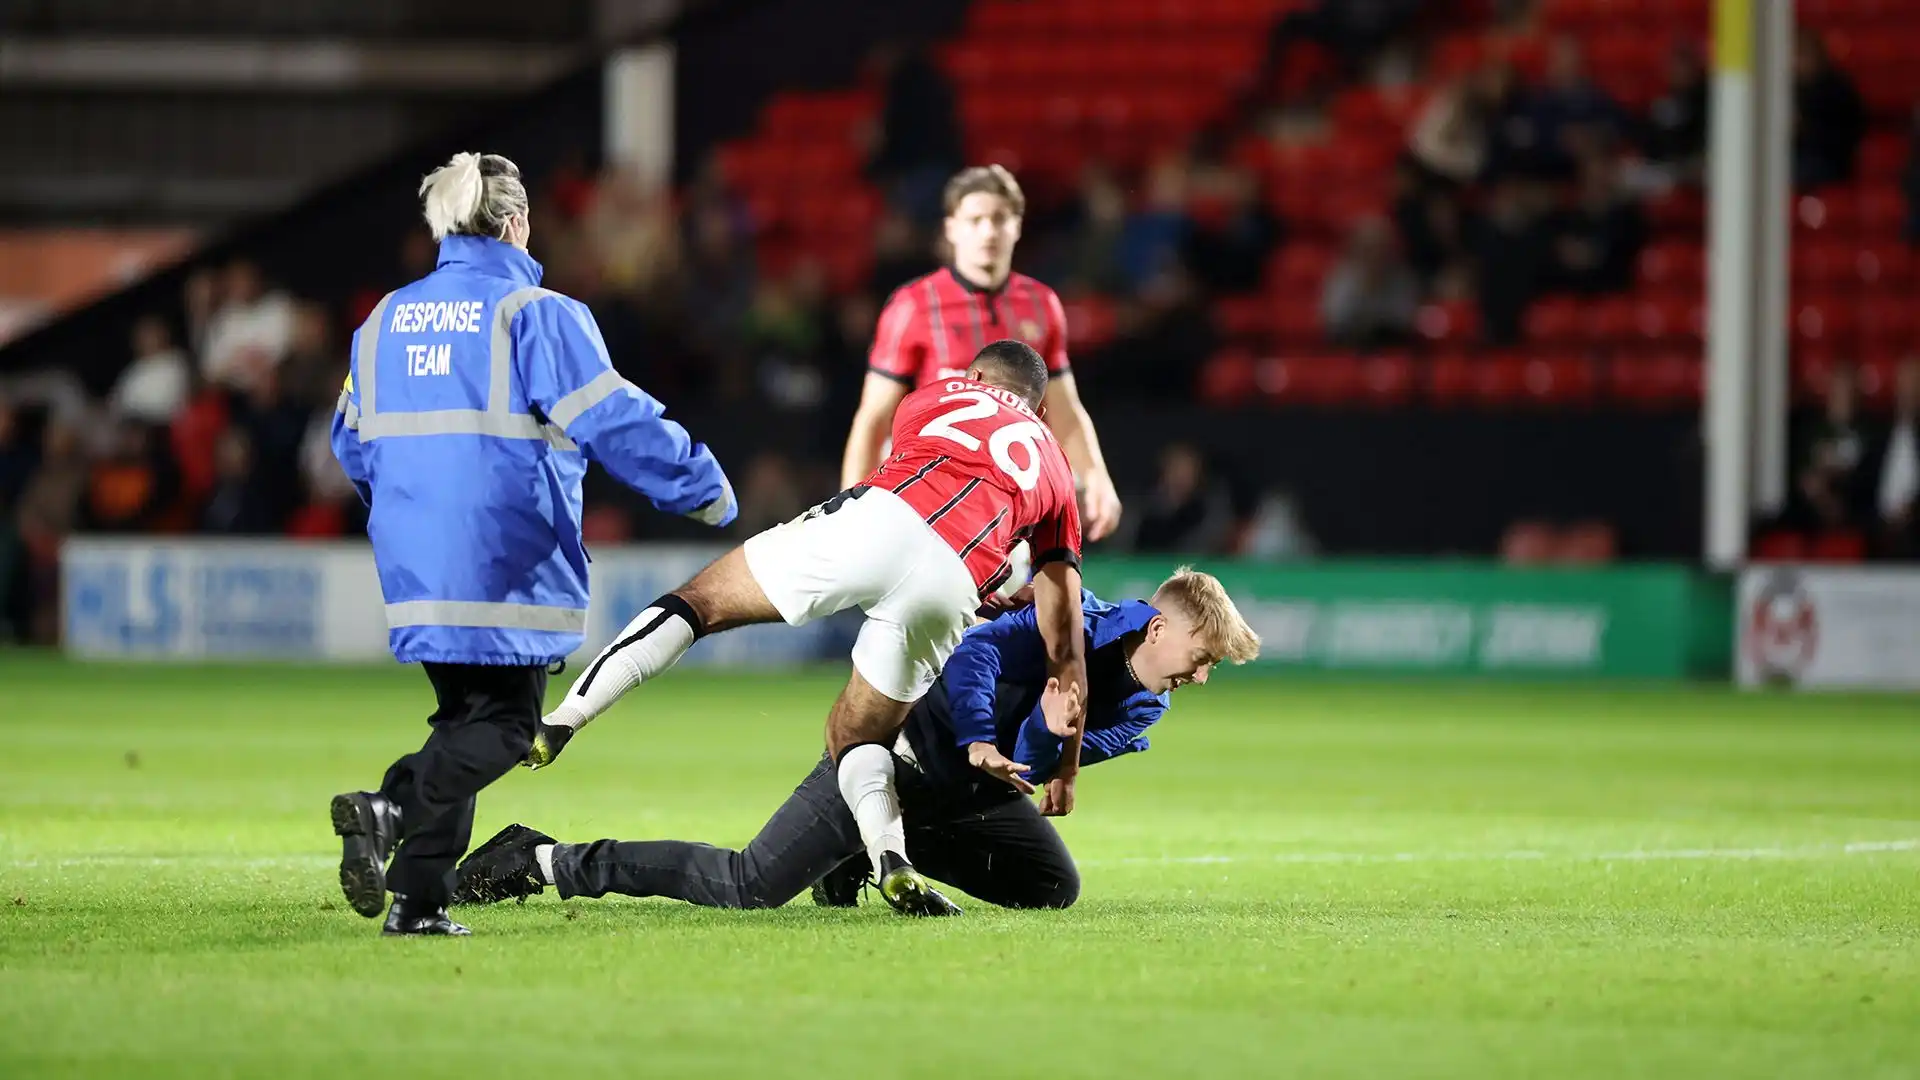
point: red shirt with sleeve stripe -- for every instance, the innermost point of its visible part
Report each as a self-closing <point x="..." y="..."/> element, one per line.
<point x="979" y="467"/>
<point x="932" y="326"/>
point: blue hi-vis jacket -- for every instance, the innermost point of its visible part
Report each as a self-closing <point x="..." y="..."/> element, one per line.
<point x="990" y="691"/>
<point x="474" y="402"/>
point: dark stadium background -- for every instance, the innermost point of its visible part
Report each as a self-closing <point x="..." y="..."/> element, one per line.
<point x="1510" y="404"/>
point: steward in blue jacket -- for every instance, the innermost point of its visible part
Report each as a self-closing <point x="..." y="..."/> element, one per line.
<point x="474" y="402"/>
<point x="967" y="825"/>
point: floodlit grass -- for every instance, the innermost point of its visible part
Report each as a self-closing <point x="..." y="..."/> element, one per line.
<point x="1301" y="879"/>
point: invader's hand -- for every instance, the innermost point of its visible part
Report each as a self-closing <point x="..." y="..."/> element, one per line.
<point x="1058" y="801"/>
<point x="1062" y="710"/>
<point x="988" y="759"/>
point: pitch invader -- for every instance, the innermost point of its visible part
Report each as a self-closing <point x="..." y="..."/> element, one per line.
<point x="916" y="546"/>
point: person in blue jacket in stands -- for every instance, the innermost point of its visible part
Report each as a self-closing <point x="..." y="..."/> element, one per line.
<point x="474" y="402"/>
<point x="971" y="752"/>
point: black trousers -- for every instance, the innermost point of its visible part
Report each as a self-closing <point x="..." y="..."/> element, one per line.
<point x="481" y="729"/>
<point x="986" y="839"/>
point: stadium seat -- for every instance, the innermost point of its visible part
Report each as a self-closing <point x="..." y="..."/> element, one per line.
<point x="1780" y="546"/>
<point x="1387" y="379"/>
<point x="1228" y="379"/>
<point x="1556" y="320"/>
<point x="1449" y="321"/>
<point x="1450" y="379"/>
<point x="1839" y="546"/>
<point x="1677" y="264"/>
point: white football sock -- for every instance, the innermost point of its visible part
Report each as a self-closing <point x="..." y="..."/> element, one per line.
<point x="866" y="782"/>
<point x="543" y="855"/>
<point x="653" y="642"/>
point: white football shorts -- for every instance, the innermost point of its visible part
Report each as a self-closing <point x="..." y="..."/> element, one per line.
<point x="872" y="552"/>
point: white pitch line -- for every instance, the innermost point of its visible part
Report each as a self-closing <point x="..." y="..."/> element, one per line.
<point x="1864" y="847"/>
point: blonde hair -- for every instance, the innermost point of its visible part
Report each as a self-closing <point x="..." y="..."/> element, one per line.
<point x="473" y="194"/>
<point x="988" y="180"/>
<point x="1203" y="601"/>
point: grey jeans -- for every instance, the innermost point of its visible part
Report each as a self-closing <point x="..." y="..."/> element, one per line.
<point x="993" y="844"/>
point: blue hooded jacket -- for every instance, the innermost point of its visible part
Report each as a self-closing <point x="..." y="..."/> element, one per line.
<point x="474" y="402"/>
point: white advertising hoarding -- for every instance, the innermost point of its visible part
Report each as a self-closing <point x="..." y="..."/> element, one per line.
<point x="137" y="598"/>
<point x="1829" y="627"/>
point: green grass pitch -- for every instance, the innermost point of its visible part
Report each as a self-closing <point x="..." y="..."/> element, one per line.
<point x="1302" y="879"/>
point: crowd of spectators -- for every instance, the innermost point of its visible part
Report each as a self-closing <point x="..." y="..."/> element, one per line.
<point x="1507" y="190"/>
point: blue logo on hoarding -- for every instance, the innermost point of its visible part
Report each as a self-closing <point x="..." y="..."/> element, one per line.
<point x="145" y="603"/>
<point x="111" y="609"/>
<point x="259" y="610"/>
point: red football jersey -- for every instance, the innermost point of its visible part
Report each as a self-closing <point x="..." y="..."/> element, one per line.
<point x="932" y="326"/>
<point x="982" y="469"/>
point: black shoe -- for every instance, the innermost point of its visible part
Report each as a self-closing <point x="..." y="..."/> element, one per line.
<point x="368" y="826"/>
<point x="840" y="886"/>
<point x="503" y="868"/>
<point x="548" y="741"/>
<point x="403" y="923"/>
<point x="909" y="893"/>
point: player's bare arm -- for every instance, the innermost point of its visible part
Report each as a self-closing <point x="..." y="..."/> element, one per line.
<point x="1074" y="428"/>
<point x="1056" y="599"/>
<point x="880" y="395"/>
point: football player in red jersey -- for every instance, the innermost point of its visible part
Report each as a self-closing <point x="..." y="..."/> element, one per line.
<point x="916" y="546"/>
<point x="932" y="325"/>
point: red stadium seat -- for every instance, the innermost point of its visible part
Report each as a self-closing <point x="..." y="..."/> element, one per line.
<point x="1838" y="547"/>
<point x="1885" y="322"/>
<point x="1228" y="379"/>
<point x="1450" y="379"/>
<point x="1565" y="379"/>
<point x="1780" y="546"/>
<point x="1499" y="379"/>
<point x="1882" y="213"/>
<point x="1678" y="264"/>
<point x="1244" y="317"/>
<point x="1388" y="379"/>
<point x="1610" y="319"/>
<point x="1556" y="320"/>
<point x="1453" y="320"/>
<point x="1887" y="266"/>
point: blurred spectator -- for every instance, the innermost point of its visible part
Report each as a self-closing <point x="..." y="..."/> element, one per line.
<point x="274" y="426"/>
<point x="1899" y="487"/>
<point x="900" y="254"/>
<point x="1828" y="117"/>
<point x="1828" y="488"/>
<point x="1153" y="235"/>
<point x="243" y="503"/>
<point x="1910" y="179"/>
<point x="1090" y="259"/>
<point x="634" y="235"/>
<point x="719" y="282"/>
<point x="248" y="332"/>
<point x="770" y="493"/>
<point x="1371" y="295"/>
<point x="49" y="506"/>
<point x="1569" y="117"/>
<point x="1455" y="138"/>
<point x="16" y="461"/>
<point x="154" y="387"/>
<point x="1230" y="231"/>
<point x="918" y="142"/>
<point x="1428" y="224"/>
<point x="1162" y="342"/>
<point x="1597" y="241"/>
<point x="1511" y="249"/>
<point x="1674" y="134"/>
<point x="1353" y="31"/>
<point x="785" y="334"/>
<point x="1189" y="509"/>
<point x="314" y="368"/>
<point x="1277" y="530"/>
<point x="132" y="485"/>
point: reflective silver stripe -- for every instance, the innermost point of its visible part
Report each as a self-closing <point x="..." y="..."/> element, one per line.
<point x="450" y="422"/>
<point x="603" y="386"/>
<point x="500" y="353"/>
<point x="348" y="411"/>
<point x="479" y="613"/>
<point x="716" y="511"/>
<point x="367" y="358"/>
